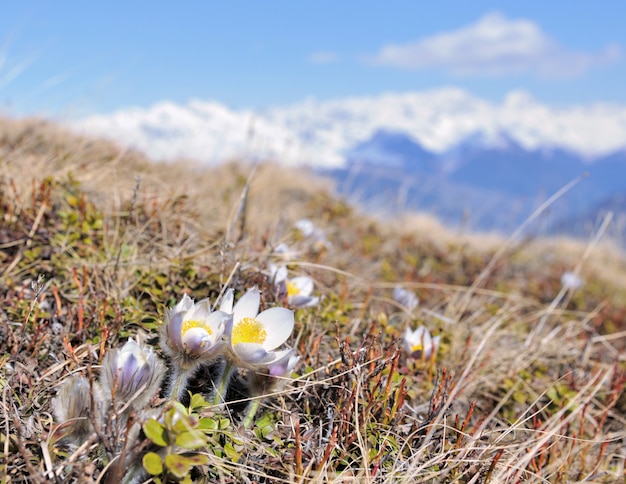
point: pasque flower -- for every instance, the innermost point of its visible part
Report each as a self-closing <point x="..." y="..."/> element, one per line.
<point x="420" y="343"/>
<point x="254" y="336"/>
<point x="132" y="373"/>
<point x="297" y="290"/>
<point x="309" y="231"/>
<point x="192" y="331"/>
<point x="405" y="297"/>
<point x="572" y="281"/>
<point x="72" y="407"/>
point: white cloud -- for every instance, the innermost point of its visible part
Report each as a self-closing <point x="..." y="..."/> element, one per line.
<point x="323" y="58"/>
<point x="320" y="133"/>
<point x="495" y="46"/>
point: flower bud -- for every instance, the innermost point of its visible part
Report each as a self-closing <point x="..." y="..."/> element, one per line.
<point x="132" y="373"/>
<point x="72" y="406"/>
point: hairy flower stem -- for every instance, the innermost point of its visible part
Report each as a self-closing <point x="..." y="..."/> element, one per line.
<point x="222" y="388"/>
<point x="252" y="410"/>
<point x="178" y="382"/>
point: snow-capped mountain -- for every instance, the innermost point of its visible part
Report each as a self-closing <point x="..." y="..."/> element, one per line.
<point x="472" y="162"/>
<point x="320" y="133"/>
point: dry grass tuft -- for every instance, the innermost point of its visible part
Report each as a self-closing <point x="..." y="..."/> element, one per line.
<point x="96" y="242"/>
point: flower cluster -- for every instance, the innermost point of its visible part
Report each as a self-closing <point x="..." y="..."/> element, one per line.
<point x="194" y="334"/>
<point x="130" y="377"/>
<point x="237" y="334"/>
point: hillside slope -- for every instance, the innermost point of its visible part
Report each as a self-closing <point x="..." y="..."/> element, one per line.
<point x="96" y="243"/>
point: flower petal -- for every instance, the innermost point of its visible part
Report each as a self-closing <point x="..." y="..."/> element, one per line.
<point x="247" y="306"/>
<point x="304" y="284"/>
<point x="251" y="353"/>
<point x="305" y="226"/>
<point x="227" y="301"/>
<point x="278" y="322"/>
<point x="200" y="311"/>
<point x="185" y="304"/>
<point x="278" y="274"/>
<point x="283" y="363"/>
<point x="301" y="301"/>
<point x="197" y="340"/>
<point x="173" y="328"/>
<point x="216" y="321"/>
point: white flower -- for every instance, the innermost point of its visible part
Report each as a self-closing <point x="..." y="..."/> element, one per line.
<point x="571" y="281"/>
<point x="310" y="231"/>
<point x="254" y="336"/>
<point x="193" y="331"/>
<point x="420" y="344"/>
<point x="134" y="371"/>
<point x="282" y="248"/>
<point x="305" y="226"/>
<point x="407" y="298"/>
<point x="285" y="252"/>
<point x="297" y="290"/>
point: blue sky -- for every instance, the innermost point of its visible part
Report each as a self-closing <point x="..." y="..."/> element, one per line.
<point x="70" y="58"/>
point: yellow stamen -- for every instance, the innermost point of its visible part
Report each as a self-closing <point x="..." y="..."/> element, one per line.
<point x="292" y="289"/>
<point x="190" y="323"/>
<point x="417" y="347"/>
<point x="248" y="330"/>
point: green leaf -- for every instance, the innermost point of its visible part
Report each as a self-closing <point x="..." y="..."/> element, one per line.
<point x="207" y="423"/>
<point x="155" y="432"/>
<point x="192" y="439"/>
<point x="231" y="453"/>
<point x="198" y="402"/>
<point x="265" y="421"/>
<point x="153" y="464"/>
<point x="185" y="423"/>
<point x="177" y="464"/>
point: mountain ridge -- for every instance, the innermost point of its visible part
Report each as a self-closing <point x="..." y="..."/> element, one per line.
<point x="319" y="133"/>
<point x="444" y="151"/>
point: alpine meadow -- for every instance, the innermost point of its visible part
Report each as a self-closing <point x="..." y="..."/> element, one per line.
<point x="242" y="323"/>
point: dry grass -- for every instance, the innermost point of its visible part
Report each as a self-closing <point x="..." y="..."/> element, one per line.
<point x="95" y="243"/>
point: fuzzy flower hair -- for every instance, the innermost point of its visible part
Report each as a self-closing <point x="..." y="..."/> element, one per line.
<point x="132" y="373"/>
<point x="72" y="405"/>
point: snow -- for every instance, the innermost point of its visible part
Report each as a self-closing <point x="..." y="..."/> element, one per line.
<point x="319" y="133"/>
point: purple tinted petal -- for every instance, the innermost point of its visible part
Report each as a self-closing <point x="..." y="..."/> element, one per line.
<point x="173" y="329"/>
<point x="197" y="340"/>
<point x="251" y="353"/>
<point x="301" y="301"/>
